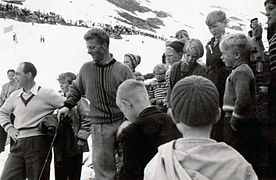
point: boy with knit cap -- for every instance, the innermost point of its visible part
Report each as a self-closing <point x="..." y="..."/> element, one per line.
<point x="195" y="107"/>
<point x="240" y="127"/>
<point x="148" y="128"/>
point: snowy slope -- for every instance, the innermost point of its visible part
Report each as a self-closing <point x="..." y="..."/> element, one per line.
<point x="65" y="50"/>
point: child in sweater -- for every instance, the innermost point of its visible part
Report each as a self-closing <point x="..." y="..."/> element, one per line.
<point x="195" y="107"/>
<point x="158" y="88"/>
<point x="240" y="129"/>
<point x="147" y="128"/>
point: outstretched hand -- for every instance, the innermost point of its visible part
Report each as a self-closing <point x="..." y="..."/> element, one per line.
<point x="62" y="113"/>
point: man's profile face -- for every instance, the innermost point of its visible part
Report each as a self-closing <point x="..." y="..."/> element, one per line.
<point x="20" y="77"/>
<point x="96" y="49"/>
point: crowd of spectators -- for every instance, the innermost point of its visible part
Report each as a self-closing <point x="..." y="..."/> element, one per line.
<point x="10" y="11"/>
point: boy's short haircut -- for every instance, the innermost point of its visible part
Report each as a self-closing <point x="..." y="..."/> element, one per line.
<point x="214" y="17"/>
<point x="194" y="46"/>
<point x="10" y="70"/>
<point x="160" y="67"/>
<point x="130" y="89"/>
<point x="270" y="1"/>
<point x="237" y="41"/>
<point x="68" y="76"/>
<point x="195" y="101"/>
<point x="97" y="33"/>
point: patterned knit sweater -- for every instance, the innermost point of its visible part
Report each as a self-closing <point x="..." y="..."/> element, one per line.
<point x="99" y="84"/>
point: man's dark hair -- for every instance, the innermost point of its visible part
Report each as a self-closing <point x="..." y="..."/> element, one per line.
<point x="99" y="34"/>
<point x="29" y="67"/>
<point x="10" y="70"/>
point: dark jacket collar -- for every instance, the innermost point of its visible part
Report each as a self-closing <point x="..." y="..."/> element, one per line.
<point x="148" y="111"/>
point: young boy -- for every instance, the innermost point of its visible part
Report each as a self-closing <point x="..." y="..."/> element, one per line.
<point x="148" y="128"/>
<point x="217" y="72"/>
<point x="240" y="128"/>
<point x="72" y="138"/>
<point x="158" y="88"/>
<point x="195" y="107"/>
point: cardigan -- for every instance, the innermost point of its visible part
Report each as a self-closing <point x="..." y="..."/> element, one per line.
<point x="99" y="84"/>
<point x="239" y="96"/>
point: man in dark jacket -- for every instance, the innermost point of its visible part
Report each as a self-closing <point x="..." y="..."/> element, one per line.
<point x="147" y="129"/>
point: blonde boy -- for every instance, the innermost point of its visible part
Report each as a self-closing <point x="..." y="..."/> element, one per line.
<point x="148" y="128"/>
<point x="158" y="88"/>
<point x="195" y="107"/>
<point x="240" y="129"/>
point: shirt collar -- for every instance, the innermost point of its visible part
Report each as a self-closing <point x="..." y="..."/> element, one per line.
<point x="34" y="90"/>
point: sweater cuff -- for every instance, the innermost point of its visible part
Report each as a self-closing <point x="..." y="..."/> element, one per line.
<point x="7" y="127"/>
<point x="237" y="115"/>
<point x="68" y="105"/>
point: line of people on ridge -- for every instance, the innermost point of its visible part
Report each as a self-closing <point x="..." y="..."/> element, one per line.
<point x="154" y="144"/>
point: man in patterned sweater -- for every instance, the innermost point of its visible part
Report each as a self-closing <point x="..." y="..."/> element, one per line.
<point x="98" y="80"/>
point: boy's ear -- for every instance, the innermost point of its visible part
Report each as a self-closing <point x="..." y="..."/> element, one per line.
<point x="237" y="54"/>
<point x="126" y="104"/>
<point x="218" y="115"/>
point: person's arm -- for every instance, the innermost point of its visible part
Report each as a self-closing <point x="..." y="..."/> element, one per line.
<point x="257" y="33"/>
<point x="75" y="93"/>
<point x="85" y="123"/>
<point x="3" y="95"/>
<point x="241" y="83"/>
<point x="5" y="111"/>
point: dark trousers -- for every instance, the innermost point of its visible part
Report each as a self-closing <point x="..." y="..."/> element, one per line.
<point x="69" y="168"/>
<point x="3" y="137"/>
<point x="245" y="140"/>
<point x="26" y="159"/>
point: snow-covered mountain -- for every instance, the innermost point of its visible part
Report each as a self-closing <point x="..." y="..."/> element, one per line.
<point x="162" y="16"/>
<point x="64" y="49"/>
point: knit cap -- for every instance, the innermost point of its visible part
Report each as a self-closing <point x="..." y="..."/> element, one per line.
<point x="135" y="59"/>
<point x="177" y="46"/>
<point x="195" y="101"/>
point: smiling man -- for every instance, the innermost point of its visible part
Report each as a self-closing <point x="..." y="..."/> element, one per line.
<point x="29" y="105"/>
<point x="98" y="80"/>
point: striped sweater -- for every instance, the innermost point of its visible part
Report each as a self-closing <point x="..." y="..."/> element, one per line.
<point x="272" y="86"/>
<point x="272" y="52"/>
<point x="99" y="84"/>
<point x="158" y="90"/>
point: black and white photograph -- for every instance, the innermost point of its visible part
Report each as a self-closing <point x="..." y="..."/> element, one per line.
<point x="137" y="89"/>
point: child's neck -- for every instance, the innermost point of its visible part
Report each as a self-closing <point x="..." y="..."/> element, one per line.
<point x="199" y="132"/>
